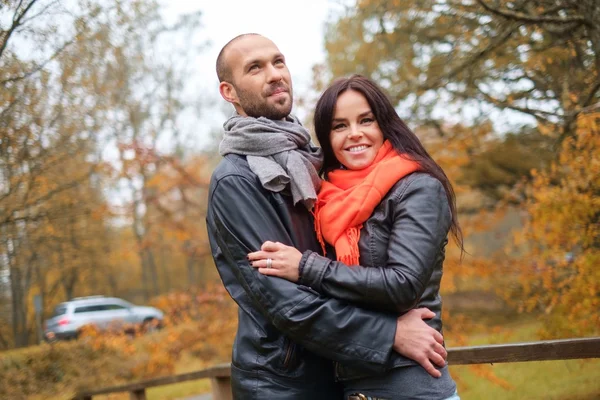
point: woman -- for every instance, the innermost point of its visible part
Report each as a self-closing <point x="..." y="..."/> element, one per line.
<point x="387" y="208"/>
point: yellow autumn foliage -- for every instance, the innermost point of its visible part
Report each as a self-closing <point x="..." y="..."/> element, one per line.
<point x="559" y="276"/>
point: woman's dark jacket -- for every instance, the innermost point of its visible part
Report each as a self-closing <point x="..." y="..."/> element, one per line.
<point x="401" y="258"/>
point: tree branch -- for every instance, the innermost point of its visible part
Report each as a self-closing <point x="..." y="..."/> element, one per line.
<point x="536" y="19"/>
<point x="592" y="94"/>
<point x="17" y="18"/>
<point x="40" y="66"/>
<point x="504" y="36"/>
<point x="540" y="115"/>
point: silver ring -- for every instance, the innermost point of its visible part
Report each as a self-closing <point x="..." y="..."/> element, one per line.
<point x="269" y="263"/>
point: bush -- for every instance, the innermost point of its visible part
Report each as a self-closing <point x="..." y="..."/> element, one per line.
<point x="201" y="324"/>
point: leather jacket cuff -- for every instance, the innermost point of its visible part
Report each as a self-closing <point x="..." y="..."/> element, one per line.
<point x="303" y="261"/>
<point x="313" y="270"/>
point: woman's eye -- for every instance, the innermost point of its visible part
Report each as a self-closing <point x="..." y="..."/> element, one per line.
<point x="367" y="120"/>
<point x="337" y="127"/>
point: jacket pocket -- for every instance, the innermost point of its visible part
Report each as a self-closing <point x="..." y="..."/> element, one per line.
<point x="308" y="289"/>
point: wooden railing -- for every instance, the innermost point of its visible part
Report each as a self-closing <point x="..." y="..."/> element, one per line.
<point x="220" y="375"/>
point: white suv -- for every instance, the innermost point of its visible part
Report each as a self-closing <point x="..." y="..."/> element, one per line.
<point x="101" y="311"/>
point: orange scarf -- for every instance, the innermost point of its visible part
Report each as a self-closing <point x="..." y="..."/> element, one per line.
<point x="348" y="198"/>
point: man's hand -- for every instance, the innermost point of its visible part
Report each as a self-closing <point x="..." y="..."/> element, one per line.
<point x="418" y="341"/>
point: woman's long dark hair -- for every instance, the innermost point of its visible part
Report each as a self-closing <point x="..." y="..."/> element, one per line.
<point x="403" y="140"/>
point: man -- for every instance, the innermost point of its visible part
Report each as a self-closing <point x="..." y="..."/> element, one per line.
<point x="264" y="189"/>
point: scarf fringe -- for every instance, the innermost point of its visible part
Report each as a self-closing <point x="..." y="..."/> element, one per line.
<point x="315" y="213"/>
<point x="353" y="235"/>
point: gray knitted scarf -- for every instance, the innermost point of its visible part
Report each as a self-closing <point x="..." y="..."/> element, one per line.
<point x="278" y="152"/>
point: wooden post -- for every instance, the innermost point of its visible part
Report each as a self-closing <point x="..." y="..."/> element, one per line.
<point x="139" y="394"/>
<point x="221" y="388"/>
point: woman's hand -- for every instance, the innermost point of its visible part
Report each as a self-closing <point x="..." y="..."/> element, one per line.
<point x="285" y="260"/>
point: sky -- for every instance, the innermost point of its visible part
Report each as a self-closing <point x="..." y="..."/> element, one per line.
<point x="296" y="27"/>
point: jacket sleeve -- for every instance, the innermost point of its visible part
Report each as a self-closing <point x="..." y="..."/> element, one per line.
<point x="241" y="218"/>
<point x="421" y="220"/>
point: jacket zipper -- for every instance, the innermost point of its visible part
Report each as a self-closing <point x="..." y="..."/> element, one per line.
<point x="288" y="353"/>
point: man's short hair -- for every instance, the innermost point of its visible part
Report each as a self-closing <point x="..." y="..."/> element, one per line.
<point x="223" y="68"/>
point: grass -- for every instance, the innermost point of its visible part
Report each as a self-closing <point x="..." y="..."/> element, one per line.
<point x="185" y="389"/>
<point x="177" y="390"/>
<point x="181" y="390"/>
<point x="565" y="380"/>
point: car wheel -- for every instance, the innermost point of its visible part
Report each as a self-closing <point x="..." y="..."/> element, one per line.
<point x="50" y="337"/>
<point x="150" y="325"/>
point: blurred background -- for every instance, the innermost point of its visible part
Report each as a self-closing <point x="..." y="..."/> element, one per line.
<point x="110" y="119"/>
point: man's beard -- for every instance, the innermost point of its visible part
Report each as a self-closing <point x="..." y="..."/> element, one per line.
<point x="255" y="105"/>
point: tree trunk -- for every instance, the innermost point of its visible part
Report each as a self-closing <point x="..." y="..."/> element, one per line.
<point x="191" y="272"/>
<point x="165" y="271"/>
<point x="152" y="272"/>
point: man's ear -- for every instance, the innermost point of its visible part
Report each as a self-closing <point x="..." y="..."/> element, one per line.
<point x="228" y="92"/>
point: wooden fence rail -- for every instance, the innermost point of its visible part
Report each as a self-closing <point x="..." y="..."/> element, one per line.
<point x="220" y="375"/>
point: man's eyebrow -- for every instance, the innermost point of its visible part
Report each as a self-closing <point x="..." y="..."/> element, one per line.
<point x="260" y="61"/>
<point x="252" y="62"/>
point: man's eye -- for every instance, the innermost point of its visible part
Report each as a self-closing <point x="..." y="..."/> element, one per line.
<point x="253" y="68"/>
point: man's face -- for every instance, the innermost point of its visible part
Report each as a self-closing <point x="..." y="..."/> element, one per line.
<point x="262" y="85"/>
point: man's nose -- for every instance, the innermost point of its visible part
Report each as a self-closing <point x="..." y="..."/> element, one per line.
<point x="274" y="74"/>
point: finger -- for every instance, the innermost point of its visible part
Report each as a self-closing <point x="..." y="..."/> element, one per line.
<point x="441" y="351"/>
<point x="425" y="313"/>
<point x="269" y="271"/>
<point x="438" y="337"/>
<point x="263" y="264"/>
<point x="259" y="255"/>
<point x="438" y="360"/>
<point x="270" y="246"/>
<point x="431" y="370"/>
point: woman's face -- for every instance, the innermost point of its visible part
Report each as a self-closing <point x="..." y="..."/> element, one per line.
<point x="355" y="135"/>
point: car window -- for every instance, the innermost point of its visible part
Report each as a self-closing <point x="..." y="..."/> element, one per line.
<point x="94" y="308"/>
<point x="59" y="310"/>
<point x="114" y="307"/>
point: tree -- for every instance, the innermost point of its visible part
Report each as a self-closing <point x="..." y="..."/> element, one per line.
<point x="42" y="133"/>
<point x="94" y="80"/>
<point x="559" y="275"/>
<point x="499" y="167"/>
<point x="539" y="58"/>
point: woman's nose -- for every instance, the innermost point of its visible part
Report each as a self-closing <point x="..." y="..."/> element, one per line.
<point x="355" y="132"/>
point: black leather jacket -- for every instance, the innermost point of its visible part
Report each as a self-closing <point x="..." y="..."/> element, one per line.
<point x="287" y="333"/>
<point x="402" y="251"/>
